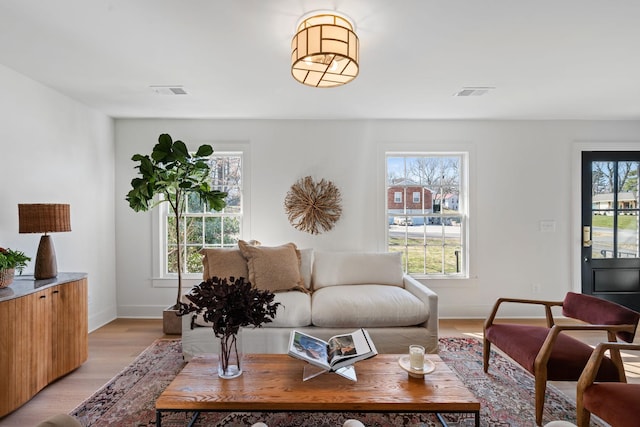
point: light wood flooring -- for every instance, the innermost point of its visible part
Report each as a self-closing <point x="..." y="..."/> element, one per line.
<point x="115" y="345"/>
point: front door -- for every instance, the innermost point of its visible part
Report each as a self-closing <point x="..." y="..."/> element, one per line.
<point x="610" y="219"/>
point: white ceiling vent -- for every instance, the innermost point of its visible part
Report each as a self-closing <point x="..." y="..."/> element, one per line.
<point x="169" y="90"/>
<point x="473" y="91"/>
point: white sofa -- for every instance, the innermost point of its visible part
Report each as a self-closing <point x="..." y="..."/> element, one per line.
<point x="346" y="291"/>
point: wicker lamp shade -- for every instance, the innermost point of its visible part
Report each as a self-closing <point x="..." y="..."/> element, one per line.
<point x="325" y="50"/>
<point x="44" y="218"/>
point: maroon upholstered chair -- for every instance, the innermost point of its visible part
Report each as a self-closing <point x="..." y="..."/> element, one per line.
<point x="616" y="403"/>
<point x="548" y="353"/>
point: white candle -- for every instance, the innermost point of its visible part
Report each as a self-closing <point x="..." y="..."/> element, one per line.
<point x="416" y="357"/>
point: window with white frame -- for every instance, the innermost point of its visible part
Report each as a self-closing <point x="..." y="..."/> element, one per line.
<point x="432" y="234"/>
<point x="203" y="227"/>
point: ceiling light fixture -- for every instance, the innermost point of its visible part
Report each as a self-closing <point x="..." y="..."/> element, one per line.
<point x="325" y="50"/>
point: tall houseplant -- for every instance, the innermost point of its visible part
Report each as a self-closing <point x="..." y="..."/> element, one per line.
<point x="172" y="173"/>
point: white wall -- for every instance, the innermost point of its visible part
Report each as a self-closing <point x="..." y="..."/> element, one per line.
<point x="522" y="172"/>
<point x="55" y="150"/>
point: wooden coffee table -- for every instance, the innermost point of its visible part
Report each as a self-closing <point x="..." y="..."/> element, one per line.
<point x="273" y="382"/>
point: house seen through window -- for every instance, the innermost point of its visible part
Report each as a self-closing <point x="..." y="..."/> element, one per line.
<point x="426" y="212"/>
<point x="202" y="226"/>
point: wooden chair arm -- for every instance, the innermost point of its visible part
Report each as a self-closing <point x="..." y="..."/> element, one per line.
<point x="611" y="329"/>
<point x="547" y="307"/>
<point x="545" y="351"/>
<point x="590" y="371"/>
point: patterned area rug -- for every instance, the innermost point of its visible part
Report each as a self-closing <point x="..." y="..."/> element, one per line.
<point x="505" y="393"/>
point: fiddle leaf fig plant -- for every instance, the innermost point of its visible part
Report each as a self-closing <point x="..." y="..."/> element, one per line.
<point x="169" y="175"/>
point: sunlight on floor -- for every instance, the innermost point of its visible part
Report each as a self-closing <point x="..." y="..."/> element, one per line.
<point x="477" y="335"/>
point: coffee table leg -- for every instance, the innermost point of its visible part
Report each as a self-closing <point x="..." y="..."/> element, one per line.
<point x="191" y="422"/>
<point x="476" y="416"/>
<point x="194" y="418"/>
<point x="442" y="421"/>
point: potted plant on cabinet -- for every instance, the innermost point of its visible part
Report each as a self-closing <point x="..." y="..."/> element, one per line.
<point x="10" y="261"/>
<point x="170" y="175"/>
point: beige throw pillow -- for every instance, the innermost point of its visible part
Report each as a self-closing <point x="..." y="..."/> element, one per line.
<point x="273" y="268"/>
<point x="224" y="263"/>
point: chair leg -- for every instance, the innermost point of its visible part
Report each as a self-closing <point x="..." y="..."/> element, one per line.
<point x="486" y="351"/>
<point x="541" y="388"/>
<point x="584" y="417"/>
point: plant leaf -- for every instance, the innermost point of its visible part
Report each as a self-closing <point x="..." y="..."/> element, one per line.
<point x="162" y="150"/>
<point x="180" y="151"/>
<point x="204" y="150"/>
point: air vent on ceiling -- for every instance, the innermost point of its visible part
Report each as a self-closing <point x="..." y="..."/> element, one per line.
<point x="169" y="90"/>
<point x="473" y="91"/>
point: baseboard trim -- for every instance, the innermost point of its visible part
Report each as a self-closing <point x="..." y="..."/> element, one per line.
<point x="141" y="311"/>
<point x="101" y="318"/>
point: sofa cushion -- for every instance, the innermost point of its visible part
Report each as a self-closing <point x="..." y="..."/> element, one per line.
<point x="294" y="312"/>
<point x="366" y="305"/>
<point x="306" y="264"/>
<point x="274" y="268"/>
<point x="224" y="263"/>
<point x="616" y="403"/>
<point x="353" y="268"/>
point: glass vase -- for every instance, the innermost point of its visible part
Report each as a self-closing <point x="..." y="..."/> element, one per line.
<point x="230" y="357"/>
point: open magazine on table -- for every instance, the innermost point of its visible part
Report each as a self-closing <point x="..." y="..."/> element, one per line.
<point x="337" y="352"/>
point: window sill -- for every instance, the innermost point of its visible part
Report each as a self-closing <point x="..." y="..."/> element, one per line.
<point x="450" y="282"/>
<point x="439" y="277"/>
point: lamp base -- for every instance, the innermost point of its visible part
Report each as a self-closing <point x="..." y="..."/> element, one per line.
<point x="46" y="266"/>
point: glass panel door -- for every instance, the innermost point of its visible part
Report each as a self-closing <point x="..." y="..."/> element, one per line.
<point x="611" y="224"/>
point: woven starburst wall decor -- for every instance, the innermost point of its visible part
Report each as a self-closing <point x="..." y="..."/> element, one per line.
<point x="313" y="207"/>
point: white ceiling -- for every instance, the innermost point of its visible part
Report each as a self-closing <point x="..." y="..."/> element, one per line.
<point x="547" y="59"/>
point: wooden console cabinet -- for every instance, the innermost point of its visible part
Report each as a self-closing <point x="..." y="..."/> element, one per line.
<point x="43" y="334"/>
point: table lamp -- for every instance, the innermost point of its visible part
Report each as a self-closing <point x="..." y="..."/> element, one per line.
<point x="44" y="218"/>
